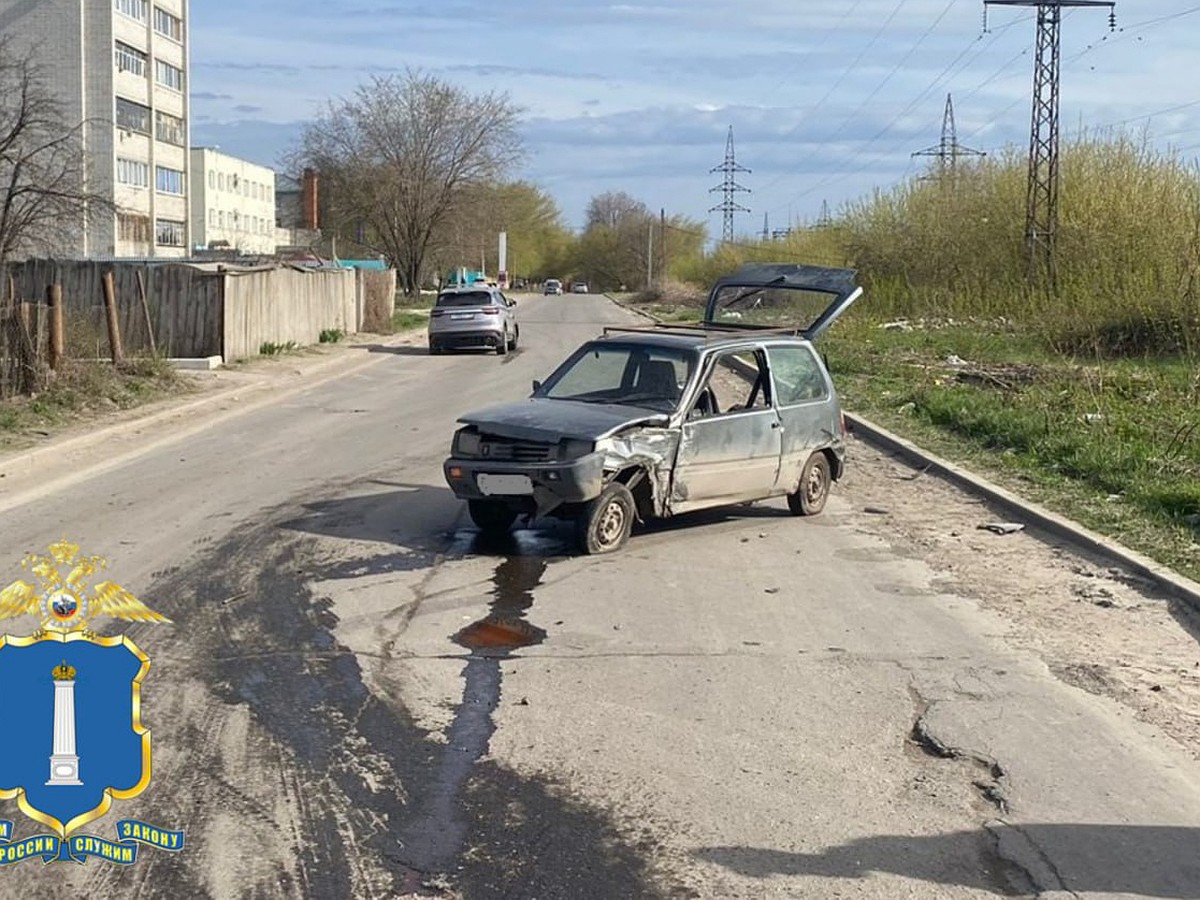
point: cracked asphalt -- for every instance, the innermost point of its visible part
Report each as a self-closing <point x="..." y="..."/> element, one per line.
<point x="740" y="705"/>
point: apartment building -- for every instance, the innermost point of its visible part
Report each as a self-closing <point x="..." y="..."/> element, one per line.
<point x="233" y="203"/>
<point x="120" y="66"/>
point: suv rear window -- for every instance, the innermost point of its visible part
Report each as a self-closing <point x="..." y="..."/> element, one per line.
<point x="465" y="298"/>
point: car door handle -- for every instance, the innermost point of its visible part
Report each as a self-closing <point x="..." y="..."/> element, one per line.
<point x="777" y="424"/>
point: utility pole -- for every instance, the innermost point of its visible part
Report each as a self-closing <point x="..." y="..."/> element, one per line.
<point x="826" y="219"/>
<point x="1041" y="205"/>
<point x="948" y="149"/>
<point x="728" y="188"/>
<point x="766" y="232"/>
<point x="649" y="254"/>
<point x="662" y="243"/>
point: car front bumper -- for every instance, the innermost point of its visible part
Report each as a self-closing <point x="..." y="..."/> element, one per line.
<point x="551" y="484"/>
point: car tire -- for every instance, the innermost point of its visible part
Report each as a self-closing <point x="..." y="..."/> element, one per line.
<point x="435" y="349"/>
<point x="491" y="516"/>
<point x="502" y="347"/>
<point x="605" y="523"/>
<point x="512" y="345"/>
<point x="815" y="481"/>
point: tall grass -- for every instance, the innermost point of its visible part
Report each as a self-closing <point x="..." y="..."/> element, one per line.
<point x="1126" y="262"/>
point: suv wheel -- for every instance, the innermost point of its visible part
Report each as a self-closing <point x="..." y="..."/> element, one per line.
<point x="605" y="523"/>
<point x="491" y="516"/>
<point x="815" y="480"/>
<point x="502" y="347"/>
<point x="435" y="349"/>
<point x="512" y="344"/>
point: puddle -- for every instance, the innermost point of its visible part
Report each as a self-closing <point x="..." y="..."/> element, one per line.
<point x="436" y="837"/>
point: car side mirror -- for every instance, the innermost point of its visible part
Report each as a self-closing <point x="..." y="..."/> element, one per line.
<point x="537" y="385"/>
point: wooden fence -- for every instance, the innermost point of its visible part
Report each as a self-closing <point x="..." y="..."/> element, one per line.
<point x="180" y="310"/>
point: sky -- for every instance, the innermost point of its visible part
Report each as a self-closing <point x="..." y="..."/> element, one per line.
<point x="828" y="101"/>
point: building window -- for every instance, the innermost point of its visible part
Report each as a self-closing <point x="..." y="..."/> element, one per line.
<point x="169" y="233"/>
<point x="212" y="179"/>
<point x="212" y="218"/>
<point x="168" y="75"/>
<point x="221" y="218"/>
<point x="167" y="24"/>
<point x="168" y="181"/>
<point x="133" y="228"/>
<point x="170" y="129"/>
<point x="130" y="59"/>
<point x="135" y="9"/>
<point x="133" y="173"/>
<point x="133" y="116"/>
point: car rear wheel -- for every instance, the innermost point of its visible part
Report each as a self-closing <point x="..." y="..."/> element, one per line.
<point x="604" y="524"/>
<point x="502" y="347"/>
<point x="435" y="349"/>
<point x="815" y="481"/>
<point x="491" y="516"/>
<point x="512" y="344"/>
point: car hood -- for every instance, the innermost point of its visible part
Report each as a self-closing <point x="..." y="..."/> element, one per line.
<point x="541" y="419"/>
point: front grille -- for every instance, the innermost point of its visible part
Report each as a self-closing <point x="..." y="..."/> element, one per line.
<point x="507" y="450"/>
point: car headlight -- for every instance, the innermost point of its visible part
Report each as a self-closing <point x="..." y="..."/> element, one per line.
<point x="573" y="449"/>
<point x="466" y="443"/>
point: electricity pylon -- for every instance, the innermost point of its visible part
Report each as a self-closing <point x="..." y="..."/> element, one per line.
<point x="1041" y="206"/>
<point x="728" y="188"/>
<point x="948" y="149"/>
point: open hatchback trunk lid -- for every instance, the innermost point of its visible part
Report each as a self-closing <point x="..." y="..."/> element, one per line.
<point x="782" y="295"/>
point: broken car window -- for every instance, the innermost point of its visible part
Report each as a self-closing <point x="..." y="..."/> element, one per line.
<point x="779" y="307"/>
<point x="798" y="377"/>
<point x="737" y="383"/>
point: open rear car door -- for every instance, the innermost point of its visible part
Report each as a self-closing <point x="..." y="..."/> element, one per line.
<point x="782" y="295"/>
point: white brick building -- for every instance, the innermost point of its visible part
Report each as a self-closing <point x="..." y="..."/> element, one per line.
<point x="121" y="66"/>
<point x="233" y="202"/>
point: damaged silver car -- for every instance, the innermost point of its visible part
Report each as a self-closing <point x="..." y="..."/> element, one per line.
<point x="649" y="422"/>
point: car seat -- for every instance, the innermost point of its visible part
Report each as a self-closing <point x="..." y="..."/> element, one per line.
<point x="656" y="378"/>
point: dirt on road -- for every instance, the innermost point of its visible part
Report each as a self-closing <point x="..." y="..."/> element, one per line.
<point x="1095" y="626"/>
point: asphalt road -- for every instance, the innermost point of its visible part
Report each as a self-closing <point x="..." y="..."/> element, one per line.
<point x="737" y="705"/>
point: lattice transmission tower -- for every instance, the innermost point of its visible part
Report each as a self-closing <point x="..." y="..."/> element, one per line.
<point x="1041" y="207"/>
<point x="728" y="188"/>
<point x="948" y="149"/>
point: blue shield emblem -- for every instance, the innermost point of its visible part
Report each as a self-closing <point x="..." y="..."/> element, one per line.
<point x="74" y="740"/>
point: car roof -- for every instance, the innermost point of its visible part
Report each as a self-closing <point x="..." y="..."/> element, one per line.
<point x="694" y="338"/>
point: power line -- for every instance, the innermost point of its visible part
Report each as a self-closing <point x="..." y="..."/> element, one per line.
<point x="729" y="187"/>
<point x="1041" y="205"/>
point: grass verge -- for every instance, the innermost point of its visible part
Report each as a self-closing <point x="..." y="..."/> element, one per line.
<point x="1114" y="444"/>
<point x="409" y="319"/>
<point x="82" y="391"/>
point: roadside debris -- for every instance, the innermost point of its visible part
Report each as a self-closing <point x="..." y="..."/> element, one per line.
<point x="1002" y="527"/>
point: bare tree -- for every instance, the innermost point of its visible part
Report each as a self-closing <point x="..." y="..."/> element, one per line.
<point x="43" y="191"/>
<point x="394" y="157"/>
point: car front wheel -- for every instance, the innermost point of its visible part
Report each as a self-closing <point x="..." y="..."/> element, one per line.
<point x="815" y="480"/>
<point x="491" y="516"/>
<point x="604" y="524"/>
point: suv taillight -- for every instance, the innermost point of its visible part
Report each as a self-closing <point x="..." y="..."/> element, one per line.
<point x="491" y="310"/>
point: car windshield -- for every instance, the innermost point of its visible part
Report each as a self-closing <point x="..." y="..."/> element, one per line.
<point x="769" y="305"/>
<point x="630" y="375"/>
<point x="465" y="298"/>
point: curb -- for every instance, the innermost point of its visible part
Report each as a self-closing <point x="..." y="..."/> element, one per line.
<point x="1050" y="523"/>
<point x="26" y="459"/>
<point x="628" y="307"/>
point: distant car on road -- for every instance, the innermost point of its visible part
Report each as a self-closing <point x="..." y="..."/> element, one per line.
<point x="648" y="422"/>
<point x="552" y="286"/>
<point x="478" y="316"/>
<point x="579" y="287"/>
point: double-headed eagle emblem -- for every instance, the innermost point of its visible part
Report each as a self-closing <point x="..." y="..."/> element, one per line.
<point x="68" y="602"/>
